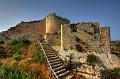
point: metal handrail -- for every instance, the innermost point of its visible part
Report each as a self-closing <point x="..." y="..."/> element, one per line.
<point x="47" y="59"/>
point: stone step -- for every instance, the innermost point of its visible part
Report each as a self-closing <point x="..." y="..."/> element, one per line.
<point x="50" y="53"/>
<point x="55" y="60"/>
<point x="52" y="58"/>
<point x="63" y="74"/>
<point x="47" y="47"/>
<point x="58" y="68"/>
<point x="69" y="76"/>
<point x="49" y="56"/>
<point x="57" y="65"/>
<point x="53" y="63"/>
<point x="60" y="71"/>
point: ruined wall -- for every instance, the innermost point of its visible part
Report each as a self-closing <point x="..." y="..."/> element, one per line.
<point x="105" y="40"/>
<point x="85" y="35"/>
<point x="68" y="38"/>
<point x="90" y="35"/>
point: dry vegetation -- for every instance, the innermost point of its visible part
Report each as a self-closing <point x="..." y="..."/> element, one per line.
<point x="22" y="59"/>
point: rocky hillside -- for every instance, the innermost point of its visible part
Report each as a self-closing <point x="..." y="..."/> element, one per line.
<point x="115" y="45"/>
<point x="29" y="30"/>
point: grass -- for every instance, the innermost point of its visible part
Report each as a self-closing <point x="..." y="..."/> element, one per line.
<point x="39" y="57"/>
<point x="14" y="73"/>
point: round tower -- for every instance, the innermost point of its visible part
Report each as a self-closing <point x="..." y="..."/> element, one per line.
<point x="52" y="23"/>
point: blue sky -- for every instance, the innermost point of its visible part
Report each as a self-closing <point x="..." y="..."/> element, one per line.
<point x="107" y="12"/>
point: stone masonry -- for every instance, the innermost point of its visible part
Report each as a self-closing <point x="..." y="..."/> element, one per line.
<point x="86" y="36"/>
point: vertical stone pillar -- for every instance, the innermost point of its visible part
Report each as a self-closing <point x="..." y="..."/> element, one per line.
<point x="46" y="30"/>
<point x="62" y="37"/>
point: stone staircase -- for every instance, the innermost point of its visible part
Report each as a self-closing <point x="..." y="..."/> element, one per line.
<point x="55" y="63"/>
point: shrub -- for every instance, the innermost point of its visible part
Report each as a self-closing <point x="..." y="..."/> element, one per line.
<point x="23" y="63"/>
<point x="14" y="63"/>
<point x="2" y="42"/>
<point x="16" y="57"/>
<point x="77" y="39"/>
<point x="116" y="71"/>
<point x="91" y="59"/>
<point x="2" y="52"/>
<point x="25" y="42"/>
<point x="39" y="57"/>
<point x="18" y="42"/>
<point x="79" y="48"/>
<point x="16" y="50"/>
<point x="14" y="73"/>
<point x="110" y="74"/>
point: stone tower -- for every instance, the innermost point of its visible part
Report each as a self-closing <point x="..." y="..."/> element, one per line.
<point x="53" y="25"/>
<point x="105" y="39"/>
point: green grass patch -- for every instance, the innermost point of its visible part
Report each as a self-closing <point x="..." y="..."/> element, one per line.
<point x="14" y="73"/>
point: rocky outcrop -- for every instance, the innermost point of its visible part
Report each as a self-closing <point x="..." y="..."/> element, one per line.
<point x="29" y="30"/>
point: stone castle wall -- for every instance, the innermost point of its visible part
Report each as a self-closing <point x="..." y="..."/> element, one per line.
<point x="105" y="40"/>
<point x="89" y="36"/>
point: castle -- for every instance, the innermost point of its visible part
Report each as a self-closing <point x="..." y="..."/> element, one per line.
<point x="84" y="37"/>
<point x="57" y="31"/>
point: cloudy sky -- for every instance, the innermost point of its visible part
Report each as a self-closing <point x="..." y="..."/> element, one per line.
<point x="107" y="12"/>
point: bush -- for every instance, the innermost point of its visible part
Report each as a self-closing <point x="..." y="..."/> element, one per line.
<point x="16" y="50"/>
<point x="2" y="52"/>
<point x="39" y="57"/>
<point x="110" y="74"/>
<point x="77" y="39"/>
<point x="14" y="73"/>
<point x="25" y="42"/>
<point x="14" y="63"/>
<point x="16" y="57"/>
<point x="116" y="71"/>
<point x="91" y="59"/>
<point x="79" y="48"/>
<point x="23" y="63"/>
<point x="2" y="42"/>
<point x="18" y="42"/>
